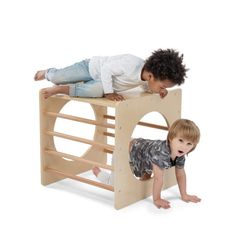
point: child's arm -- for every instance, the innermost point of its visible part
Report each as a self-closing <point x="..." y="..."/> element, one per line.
<point x="157" y="186"/>
<point x="181" y="179"/>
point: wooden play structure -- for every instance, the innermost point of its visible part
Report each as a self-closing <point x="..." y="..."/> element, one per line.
<point x="127" y="189"/>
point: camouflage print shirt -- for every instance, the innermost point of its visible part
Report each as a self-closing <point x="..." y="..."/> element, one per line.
<point x="145" y="152"/>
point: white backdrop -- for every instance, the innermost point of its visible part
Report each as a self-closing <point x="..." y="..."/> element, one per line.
<point x="41" y="34"/>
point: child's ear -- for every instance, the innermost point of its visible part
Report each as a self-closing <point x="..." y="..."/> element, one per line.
<point x="150" y="75"/>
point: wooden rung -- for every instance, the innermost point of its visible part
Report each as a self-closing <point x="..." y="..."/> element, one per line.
<point x="79" y="159"/>
<point x="109" y="117"/>
<point x="107" y="151"/>
<point x="150" y="125"/>
<point x="153" y="125"/>
<point x="79" y="119"/>
<point x="82" y="140"/>
<point x="81" y="179"/>
<point x="109" y="134"/>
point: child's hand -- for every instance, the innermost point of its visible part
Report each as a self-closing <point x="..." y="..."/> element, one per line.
<point x="162" y="203"/>
<point x="190" y="198"/>
<point x="163" y="93"/>
<point x="114" y="97"/>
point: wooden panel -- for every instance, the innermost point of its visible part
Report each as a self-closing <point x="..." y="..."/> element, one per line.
<point x="127" y="188"/>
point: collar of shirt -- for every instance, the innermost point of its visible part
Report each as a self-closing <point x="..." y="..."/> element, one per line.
<point x="167" y="148"/>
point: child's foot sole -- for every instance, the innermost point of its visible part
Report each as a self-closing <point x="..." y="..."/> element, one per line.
<point x="40" y="75"/>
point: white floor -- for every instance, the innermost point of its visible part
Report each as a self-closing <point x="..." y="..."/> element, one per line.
<point x="70" y="207"/>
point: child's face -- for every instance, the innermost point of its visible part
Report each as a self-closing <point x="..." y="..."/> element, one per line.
<point x="157" y="85"/>
<point x="180" y="146"/>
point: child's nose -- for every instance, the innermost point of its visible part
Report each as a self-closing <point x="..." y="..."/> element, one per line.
<point x="183" y="146"/>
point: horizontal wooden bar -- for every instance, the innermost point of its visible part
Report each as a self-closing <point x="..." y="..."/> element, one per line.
<point x="109" y="134"/>
<point x="82" y="140"/>
<point x="81" y="179"/>
<point x="109" y="117"/>
<point x="79" y="159"/>
<point x="107" y="151"/>
<point x="153" y="125"/>
<point x="150" y="125"/>
<point x="79" y="119"/>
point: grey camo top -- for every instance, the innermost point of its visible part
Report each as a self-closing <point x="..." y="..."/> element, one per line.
<point x="145" y="152"/>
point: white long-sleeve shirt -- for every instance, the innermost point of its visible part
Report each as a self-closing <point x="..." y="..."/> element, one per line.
<point x="117" y="73"/>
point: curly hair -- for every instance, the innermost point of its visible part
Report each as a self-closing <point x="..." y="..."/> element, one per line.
<point x="166" y="64"/>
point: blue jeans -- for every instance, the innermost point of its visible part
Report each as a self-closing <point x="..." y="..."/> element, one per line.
<point x="77" y="77"/>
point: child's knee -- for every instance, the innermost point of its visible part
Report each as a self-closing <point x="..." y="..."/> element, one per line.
<point x="52" y="76"/>
<point x="92" y="89"/>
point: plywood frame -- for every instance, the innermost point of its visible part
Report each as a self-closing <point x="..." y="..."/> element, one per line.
<point x="127" y="189"/>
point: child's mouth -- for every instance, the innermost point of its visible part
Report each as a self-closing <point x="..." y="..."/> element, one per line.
<point x="180" y="152"/>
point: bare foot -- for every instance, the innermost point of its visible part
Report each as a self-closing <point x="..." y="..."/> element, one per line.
<point x="96" y="171"/>
<point x="40" y="75"/>
<point x="48" y="92"/>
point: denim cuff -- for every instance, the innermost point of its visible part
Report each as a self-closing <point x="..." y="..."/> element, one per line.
<point x="46" y="75"/>
<point x="71" y="90"/>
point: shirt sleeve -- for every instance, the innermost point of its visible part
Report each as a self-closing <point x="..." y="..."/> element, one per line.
<point x="117" y="66"/>
<point x="161" y="161"/>
<point x="144" y="87"/>
<point x="107" y="72"/>
<point x="180" y="161"/>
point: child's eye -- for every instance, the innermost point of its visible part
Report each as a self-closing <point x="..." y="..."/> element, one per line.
<point x="181" y="140"/>
<point x="189" y="144"/>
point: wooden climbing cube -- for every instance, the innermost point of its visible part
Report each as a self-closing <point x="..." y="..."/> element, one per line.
<point x="128" y="113"/>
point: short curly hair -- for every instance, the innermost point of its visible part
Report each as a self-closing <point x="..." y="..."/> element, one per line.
<point x="166" y="64"/>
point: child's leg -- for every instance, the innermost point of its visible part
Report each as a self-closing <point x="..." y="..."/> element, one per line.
<point x="71" y="74"/>
<point x="58" y="89"/>
<point x="103" y="176"/>
<point x="92" y="88"/>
